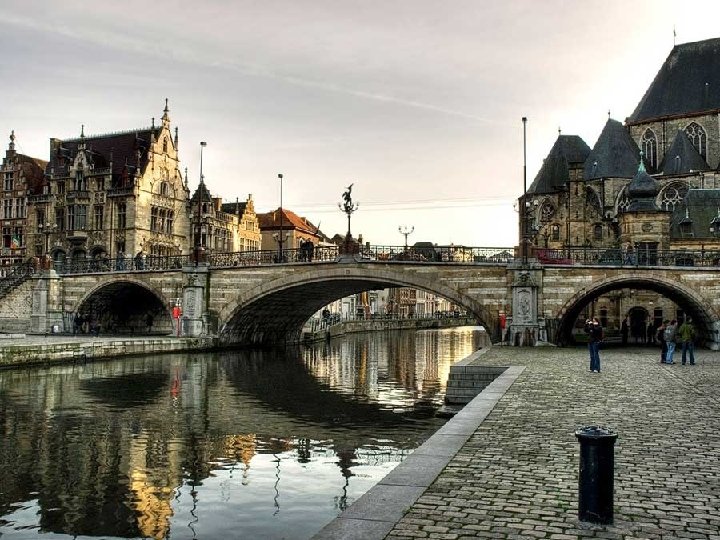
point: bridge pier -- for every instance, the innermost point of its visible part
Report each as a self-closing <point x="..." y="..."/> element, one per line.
<point x="45" y="294"/>
<point x="194" y="317"/>
<point x="525" y="328"/>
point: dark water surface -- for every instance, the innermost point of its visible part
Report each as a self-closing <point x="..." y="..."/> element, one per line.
<point x="212" y="446"/>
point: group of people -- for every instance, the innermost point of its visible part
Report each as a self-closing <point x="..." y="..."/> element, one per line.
<point x="668" y="334"/>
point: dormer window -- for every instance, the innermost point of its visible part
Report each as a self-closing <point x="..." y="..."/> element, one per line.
<point x="685" y="225"/>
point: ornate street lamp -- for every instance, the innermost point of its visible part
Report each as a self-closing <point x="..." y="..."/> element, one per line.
<point x="280" y="234"/>
<point x="348" y="207"/>
<point x="406" y="232"/>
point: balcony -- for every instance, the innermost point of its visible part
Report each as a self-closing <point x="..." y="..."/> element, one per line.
<point x="76" y="235"/>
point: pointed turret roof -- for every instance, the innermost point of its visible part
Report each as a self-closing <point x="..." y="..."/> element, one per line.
<point x="682" y="157"/>
<point x="688" y="82"/>
<point x="555" y="171"/>
<point x="642" y="191"/>
<point x="615" y="154"/>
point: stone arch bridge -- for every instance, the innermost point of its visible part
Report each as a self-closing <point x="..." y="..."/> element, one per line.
<point x="266" y="304"/>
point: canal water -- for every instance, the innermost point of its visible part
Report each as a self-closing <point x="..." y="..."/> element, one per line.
<point x="230" y="445"/>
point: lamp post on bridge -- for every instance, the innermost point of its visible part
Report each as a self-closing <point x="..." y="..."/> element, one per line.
<point x="199" y="248"/>
<point x="406" y="232"/>
<point x="349" y="207"/>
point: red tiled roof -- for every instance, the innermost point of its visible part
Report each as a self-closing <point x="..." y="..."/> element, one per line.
<point x="271" y="221"/>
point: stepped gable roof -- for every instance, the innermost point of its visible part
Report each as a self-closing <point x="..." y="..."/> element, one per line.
<point x="642" y="191"/>
<point x="121" y="148"/>
<point x="700" y="206"/>
<point x="688" y="82"/>
<point x="234" y="208"/>
<point x="555" y="171"/>
<point x="615" y="154"/>
<point x="682" y="157"/>
<point x="290" y="220"/>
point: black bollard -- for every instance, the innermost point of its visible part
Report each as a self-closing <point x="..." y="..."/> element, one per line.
<point x="597" y="472"/>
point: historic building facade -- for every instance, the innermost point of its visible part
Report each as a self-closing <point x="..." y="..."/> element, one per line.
<point x="223" y="227"/>
<point x="649" y="185"/>
<point x="109" y="196"/>
<point x="20" y="175"/>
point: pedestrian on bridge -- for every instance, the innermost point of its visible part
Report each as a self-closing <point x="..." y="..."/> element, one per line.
<point x="595" y="336"/>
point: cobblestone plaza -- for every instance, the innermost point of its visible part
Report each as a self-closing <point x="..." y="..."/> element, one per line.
<point x="517" y="476"/>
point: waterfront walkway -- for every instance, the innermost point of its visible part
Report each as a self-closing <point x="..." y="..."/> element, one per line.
<point x="516" y="475"/>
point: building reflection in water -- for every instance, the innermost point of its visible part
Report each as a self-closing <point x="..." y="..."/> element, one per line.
<point x="151" y="447"/>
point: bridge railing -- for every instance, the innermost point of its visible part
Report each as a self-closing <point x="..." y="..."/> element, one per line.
<point x="259" y="257"/>
<point x="627" y="258"/>
<point x="435" y="254"/>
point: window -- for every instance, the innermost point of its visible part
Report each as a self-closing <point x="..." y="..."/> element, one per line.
<point x="77" y="217"/>
<point x="648" y="144"/>
<point x="170" y="222"/>
<point x="80" y="184"/>
<point x="20" y="207"/>
<point x="556" y="232"/>
<point x="121" y="216"/>
<point x="7" y="237"/>
<point x="8" y="181"/>
<point x="60" y="219"/>
<point x="164" y="145"/>
<point x="672" y="195"/>
<point x="154" y="218"/>
<point x="698" y="138"/>
<point x="597" y="232"/>
<point x="17" y="239"/>
<point x="40" y="218"/>
<point x="99" y="221"/>
<point x="7" y="209"/>
<point x="164" y="189"/>
<point x="100" y="183"/>
<point x="61" y="188"/>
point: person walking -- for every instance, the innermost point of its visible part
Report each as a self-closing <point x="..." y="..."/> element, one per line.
<point x="660" y="336"/>
<point x="595" y="335"/>
<point x="625" y="330"/>
<point x="687" y="338"/>
<point x="669" y="335"/>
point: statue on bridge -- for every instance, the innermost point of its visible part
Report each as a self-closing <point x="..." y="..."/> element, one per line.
<point x="347" y="205"/>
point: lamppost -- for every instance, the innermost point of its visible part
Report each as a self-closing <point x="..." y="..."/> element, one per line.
<point x="348" y="207"/>
<point x="199" y="248"/>
<point x="406" y="232"/>
<point x="280" y="234"/>
<point x="523" y="209"/>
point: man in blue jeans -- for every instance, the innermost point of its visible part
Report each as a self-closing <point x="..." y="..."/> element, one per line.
<point x="670" y="332"/>
<point x="595" y="335"/>
<point x="687" y="338"/>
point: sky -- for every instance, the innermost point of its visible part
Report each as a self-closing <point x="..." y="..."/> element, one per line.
<point x="417" y="103"/>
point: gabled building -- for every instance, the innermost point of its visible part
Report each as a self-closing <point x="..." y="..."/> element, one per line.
<point x="283" y="225"/>
<point x="111" y="195"/>
<point x="223" y="227"/>
<point x="20" y="175"/>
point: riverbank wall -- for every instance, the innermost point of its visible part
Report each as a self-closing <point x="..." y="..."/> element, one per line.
<point x="381" y="325"/>
<point x="19" y="350"/>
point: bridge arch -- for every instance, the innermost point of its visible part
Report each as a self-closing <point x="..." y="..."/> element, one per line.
<point x="702" y="313"/>
<point x="125" y="306"/>
<point x="276" y="311"/>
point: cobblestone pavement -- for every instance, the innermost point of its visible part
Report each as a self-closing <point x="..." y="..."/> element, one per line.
<point x="517" y="476"/>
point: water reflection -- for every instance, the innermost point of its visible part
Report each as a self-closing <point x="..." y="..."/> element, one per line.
<point x="213" y="446"/>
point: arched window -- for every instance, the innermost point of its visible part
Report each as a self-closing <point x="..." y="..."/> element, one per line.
<point x="597" y="231"/>
<point x="164" y="189"/>
<point x="648" y="144"/>
<point x="698" y="138"/>
<point x="672" y="195"/>
<point x="623" y="201"/>
<point x="547" y="211"/>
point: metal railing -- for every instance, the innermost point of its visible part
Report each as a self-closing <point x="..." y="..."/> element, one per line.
<point x="386" y="254"/>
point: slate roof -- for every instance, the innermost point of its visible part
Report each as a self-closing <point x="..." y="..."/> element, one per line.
<point x="206" y="195"/>
<point x="234" y="208"/>
<point x="642" y="191"/>
<point x="688" y="82"/>
<point x="120" y="148"/>
<point x="682" y="157"/>
<point x="555" y="171"/>
<point x="702" y="207"/>
<point x="33" y="171"/>
<point x="615" y="154"/>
